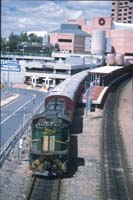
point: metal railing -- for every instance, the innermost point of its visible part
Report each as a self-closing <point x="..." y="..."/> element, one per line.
<point x="23" y="129"/>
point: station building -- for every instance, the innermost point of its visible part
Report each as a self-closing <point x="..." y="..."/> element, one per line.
<point x="45" y="71"/>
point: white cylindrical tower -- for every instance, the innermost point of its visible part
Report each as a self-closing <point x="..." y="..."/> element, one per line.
<point x="98" y="42"/>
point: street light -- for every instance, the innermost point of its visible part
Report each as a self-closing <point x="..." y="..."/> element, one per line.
<point x="8" y="50"/>
<point x="23" y="49"/>
<point x="42" y="51"/>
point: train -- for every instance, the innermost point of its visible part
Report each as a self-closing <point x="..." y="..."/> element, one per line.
<point x="49" y="154"/>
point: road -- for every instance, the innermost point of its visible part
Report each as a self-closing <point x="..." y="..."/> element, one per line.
<point x="15" y="114"/>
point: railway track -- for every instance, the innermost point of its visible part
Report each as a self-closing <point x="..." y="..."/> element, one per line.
<point x="44" y="189"/>
<point x="116" y="180"/>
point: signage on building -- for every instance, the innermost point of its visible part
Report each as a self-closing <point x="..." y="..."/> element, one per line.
<point x="10" y="65"/>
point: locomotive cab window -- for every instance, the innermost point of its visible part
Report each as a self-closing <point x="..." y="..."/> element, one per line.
<point x="53" y="106"/>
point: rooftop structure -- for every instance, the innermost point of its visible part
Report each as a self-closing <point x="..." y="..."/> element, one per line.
<point x="105" y="69"/>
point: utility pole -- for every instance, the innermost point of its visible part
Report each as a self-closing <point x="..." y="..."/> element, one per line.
<point x="8" y="78"/>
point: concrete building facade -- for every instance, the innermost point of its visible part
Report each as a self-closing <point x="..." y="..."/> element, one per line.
<point x="70" y="38"/>
<point x="122" y="11"/>
<point x="120" y="34"/>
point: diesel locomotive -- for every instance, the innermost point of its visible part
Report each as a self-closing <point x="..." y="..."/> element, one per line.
<point x="49" y="153"/>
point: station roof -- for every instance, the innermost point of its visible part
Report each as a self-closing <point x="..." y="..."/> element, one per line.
<point x="105" y="69"/>
<point x="71" y="29"/>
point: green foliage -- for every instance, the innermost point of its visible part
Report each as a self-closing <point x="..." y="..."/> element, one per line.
<point x="14" y="40"/>
<point x="35" y="38"/>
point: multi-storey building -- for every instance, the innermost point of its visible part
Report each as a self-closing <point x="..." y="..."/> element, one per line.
<point x="122" y="11"/>
<point x="70" y="38"/>
<point x="121" y="34"/>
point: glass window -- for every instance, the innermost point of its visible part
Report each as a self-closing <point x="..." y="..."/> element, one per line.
<point x="56" y="107"/>
<point x="64" y="40"/>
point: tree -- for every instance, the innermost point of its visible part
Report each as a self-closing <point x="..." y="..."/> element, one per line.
<point x="13" y="41"/>
<point x="3" y="44"/>
<point x="34" y="38"/>
<point x="24" y="37"/>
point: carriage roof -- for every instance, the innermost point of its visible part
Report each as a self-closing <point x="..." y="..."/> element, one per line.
<point x="69" y="86"/>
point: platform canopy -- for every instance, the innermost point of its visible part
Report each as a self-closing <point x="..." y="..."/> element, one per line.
<point x="105" y="69"/>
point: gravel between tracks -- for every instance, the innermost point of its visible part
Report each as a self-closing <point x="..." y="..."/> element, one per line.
<point x="85" y="183"/>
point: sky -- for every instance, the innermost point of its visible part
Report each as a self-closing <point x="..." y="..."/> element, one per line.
<point x="40" y="15"/>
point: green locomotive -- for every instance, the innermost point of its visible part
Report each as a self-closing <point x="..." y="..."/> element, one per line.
<point x="50" y="141"/>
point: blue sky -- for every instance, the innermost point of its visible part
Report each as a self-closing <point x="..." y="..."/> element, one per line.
<point x="36" y="15"/>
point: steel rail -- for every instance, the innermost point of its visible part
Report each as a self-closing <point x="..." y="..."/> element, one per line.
<point x="116" y="182"/>
<point x="44" y="189"/>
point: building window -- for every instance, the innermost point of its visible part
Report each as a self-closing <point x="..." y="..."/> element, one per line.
<point x="129" y="17"/>
<point x="119" y="18"/>
<point x="125" y="9"/>
<point x="113" y="3"/>
<point x="125" y="14"/>
<point x="112" y="10"/>
<point x="119" y="14"/>
<point x="124" y="18"/>
<point x="120" y="10"/>
<point x="64" y="40"/>
<point x="129" y="21"/>
<point x="126" y="2"/>
<point x="130" y="13"/>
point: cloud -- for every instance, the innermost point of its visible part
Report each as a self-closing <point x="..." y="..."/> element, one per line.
<point x="31" y="15"/>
